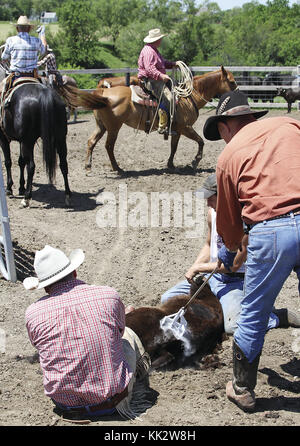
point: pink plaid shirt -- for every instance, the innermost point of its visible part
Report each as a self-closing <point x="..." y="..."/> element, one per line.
<point x="151" y="63"/>
<point x="77" y="331"/>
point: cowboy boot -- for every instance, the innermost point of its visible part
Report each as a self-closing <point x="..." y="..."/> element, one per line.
<point x="287" y="318"/>
<point x="163" y="121"/>
<point x="241" y="389"/>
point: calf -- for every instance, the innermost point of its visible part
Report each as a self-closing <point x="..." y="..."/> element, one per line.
<point x="204" y="317"/>
<point x="290" y="95"/>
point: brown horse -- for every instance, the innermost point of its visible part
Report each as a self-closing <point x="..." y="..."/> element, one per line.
<point x="110" y="82"/>
<point x="205" y="324"/>
<point x="117" y="108"/>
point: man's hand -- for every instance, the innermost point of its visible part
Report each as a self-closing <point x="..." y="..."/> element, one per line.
<point x="165" y="78"/>
<point x="191" y="273"/>
<point x="226" y="257"/>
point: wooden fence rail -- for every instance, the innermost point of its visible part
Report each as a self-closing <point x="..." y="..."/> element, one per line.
<point x="260" y="96"/>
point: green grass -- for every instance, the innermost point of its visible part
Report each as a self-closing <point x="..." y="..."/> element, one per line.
<point x="8" y="28"/>
<point x="109" y="59"/>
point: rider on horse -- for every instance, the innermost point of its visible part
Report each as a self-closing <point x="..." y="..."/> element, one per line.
<point x="152" y="74"/>
<point x="23" y="50"/>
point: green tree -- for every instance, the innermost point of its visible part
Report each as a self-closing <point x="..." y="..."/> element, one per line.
<point x="38" y="6"/>
<point x="12" y="9"/>
<point x="193" y="41"/>
<point x="130" y="40"/>
<point x="77" y="40"/>
<point x="167" y="12"/>
<point x="113" y="15"/>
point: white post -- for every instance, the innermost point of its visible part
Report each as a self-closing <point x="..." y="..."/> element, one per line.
<point x="298" y="79"/>
<point x="8" y="271"/>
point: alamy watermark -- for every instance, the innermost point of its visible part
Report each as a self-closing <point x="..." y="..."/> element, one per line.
<point x="152" y="210"/>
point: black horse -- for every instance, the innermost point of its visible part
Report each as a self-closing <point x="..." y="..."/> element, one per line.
<point x="35" y="111"/>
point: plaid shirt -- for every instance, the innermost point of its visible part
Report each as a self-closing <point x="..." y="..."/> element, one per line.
<point x="23" y="51"/>
<point x="151" y="63"/>
<point x="77" y="331"/>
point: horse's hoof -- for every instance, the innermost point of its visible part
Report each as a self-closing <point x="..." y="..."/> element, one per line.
<point x="9" y="193"/>
<point x="21" y="191"/>
<point x="25" y="203"/>
<point x="171" y="166"/>
<point x="88" y="167"/>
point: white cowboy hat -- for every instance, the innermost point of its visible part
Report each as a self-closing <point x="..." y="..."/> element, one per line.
<point x="23" y="21"/>
<point x="154" y="35"/>
<point x="51" y="265"/>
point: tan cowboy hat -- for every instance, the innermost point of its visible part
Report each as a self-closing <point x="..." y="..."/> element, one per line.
<point x="154" y="35"/>
<point x="23" y="21"/>
<point x="51" y="265"/>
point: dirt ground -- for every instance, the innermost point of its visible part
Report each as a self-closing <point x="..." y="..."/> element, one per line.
<point x="141" y="263"/>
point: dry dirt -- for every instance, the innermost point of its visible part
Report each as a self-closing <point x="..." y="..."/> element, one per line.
<point x="141" y="263"/>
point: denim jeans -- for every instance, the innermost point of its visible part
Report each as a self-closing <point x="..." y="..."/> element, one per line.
<point x="160" y="91"/>
<point x="273" y="253"/>
<point x="96" y="413"/>
<point x="229" y="291"/>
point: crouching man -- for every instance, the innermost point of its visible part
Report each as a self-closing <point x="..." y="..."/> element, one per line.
<point x="88" y="357"/>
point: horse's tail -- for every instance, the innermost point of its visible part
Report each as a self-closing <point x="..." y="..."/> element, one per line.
<point x="51" y="124"/>
<point x="79" y="98"/>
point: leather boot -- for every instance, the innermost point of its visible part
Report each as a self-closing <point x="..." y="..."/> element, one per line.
<point x="241" y="389"/>
<point x="287" y="318"/>
<point x="163" y="121"/>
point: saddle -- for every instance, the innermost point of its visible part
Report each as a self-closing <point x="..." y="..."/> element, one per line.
<point x="11" y="87"/>
<point x="8" y="91"/>
<point x="139" y="96"/>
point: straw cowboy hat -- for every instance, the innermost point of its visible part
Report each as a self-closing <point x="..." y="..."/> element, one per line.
<point x="23" y="21"/>
<point x="154" y="35"/>
<point x="231" y="104"/>
<point x="51" y="265"/>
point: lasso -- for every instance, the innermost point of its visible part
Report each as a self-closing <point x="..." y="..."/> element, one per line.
<point x="183" y="85"/>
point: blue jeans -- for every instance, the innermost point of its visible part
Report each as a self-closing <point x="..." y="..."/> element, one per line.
<point x="273" y="253"/>
<point x="229" y="291"/>
<point x="90" y="413"/>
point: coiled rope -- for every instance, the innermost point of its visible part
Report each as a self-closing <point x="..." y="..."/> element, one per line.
<point x="183" y="83"/>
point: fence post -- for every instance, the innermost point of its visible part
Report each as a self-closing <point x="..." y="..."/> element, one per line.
<point x="298" y="79"/>
<point x="7" y="268"/>
<point x="127" y="78"/>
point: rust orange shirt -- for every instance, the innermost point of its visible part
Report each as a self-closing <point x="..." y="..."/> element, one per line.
<point x="258" y="176"/>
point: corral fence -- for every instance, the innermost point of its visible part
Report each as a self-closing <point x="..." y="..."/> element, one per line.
<point x="258" y="83"/>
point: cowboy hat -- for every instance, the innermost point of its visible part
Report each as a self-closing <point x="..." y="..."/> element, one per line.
<point x="154" y="35"/>
<point x="23" y="21"/>
<point x="209" y="187"/>
<point x="51" y="265"/>
<point x="231" y="104"/>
